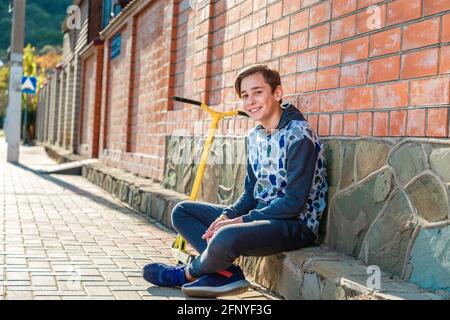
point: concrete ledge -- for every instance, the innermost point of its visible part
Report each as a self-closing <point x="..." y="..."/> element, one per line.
<point x="312" y="273"/>
<point x="59" y="154"/>
<point x="66" y="168"/>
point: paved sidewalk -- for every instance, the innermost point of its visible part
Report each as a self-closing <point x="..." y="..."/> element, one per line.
<point x="62" y="237"/>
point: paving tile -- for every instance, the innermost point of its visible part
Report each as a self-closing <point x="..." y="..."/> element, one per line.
<point x="114" y="276"/>
<point x="138" y="281"/>
<point x="127" y="295"/>
<point x="98" y="291"/>
<point x="19" y="295"/>
<point x="39" y="264"/>
<point x="43" y="281"/>
<point x="17" y="276"/>
<point x="53" y="298"/>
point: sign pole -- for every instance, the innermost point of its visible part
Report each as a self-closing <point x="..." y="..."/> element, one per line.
<point x="15" y="81"/>
<point x="25" y="136"/>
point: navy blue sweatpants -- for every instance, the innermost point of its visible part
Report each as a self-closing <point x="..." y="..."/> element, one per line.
<point x="257" y="238"/>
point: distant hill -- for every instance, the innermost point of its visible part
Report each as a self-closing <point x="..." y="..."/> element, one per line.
<point x="43" y="26"/>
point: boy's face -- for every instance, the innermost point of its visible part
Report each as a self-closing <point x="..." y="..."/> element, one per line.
<point x="258" y="100"/>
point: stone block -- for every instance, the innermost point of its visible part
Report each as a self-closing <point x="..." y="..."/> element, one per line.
<point x="124" y="191"/>
<point x="107" y="183"/>
<point x="370" y="156"/>
<point x="99" y="179"/>
<point x="136" y="199"/>
<point x="116" y="188"/>
<point x="311" y="289"/>
<point x="84" y="171"/>
<point x="429" y="197"/>
<point x="354" y="210"/>
<point x="265" y="270"/>
<point x="430" y="259"/>
<point x="407" y="161"/>
<point x="439" y="162"/>
<point x="348" y="164"/>
<point x="332" y="291"/>
<point x="324" y="220"/>
<point x="332" y="155"/>
<point x="387" y="241"/>
<point x="290" y="280"/>
<point x="145" y="202"/>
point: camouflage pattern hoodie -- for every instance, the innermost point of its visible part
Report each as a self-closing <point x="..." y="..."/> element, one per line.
<point x="286" y="173"/>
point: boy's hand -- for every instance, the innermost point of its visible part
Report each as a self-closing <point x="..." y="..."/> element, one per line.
<point x="210" y="232"/>
<point x="219" y="223"/>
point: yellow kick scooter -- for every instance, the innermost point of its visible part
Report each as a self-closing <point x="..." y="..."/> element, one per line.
<point x="179" y="245"/>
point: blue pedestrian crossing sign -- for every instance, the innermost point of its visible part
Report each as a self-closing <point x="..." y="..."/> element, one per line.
<point x="29" y="85"/>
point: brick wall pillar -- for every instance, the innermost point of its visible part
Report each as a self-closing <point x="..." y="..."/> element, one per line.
<point x="52" y="107"/>
<point x="98" y="95"/>
<point x="47" y="112"/>
<point x="57" y="107"/>
<point x="68" y="106"/>
<point x="75" y="112"/>
<point x="62" y="108"/>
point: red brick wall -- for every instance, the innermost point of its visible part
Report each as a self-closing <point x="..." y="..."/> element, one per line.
<point x="88" y="101"/>
<point x="350" y="73"/>
<point x="183" y="54"/>
<point x="99" y="51"/>
<point x="353" y="70"/>
<point x="117" y="103"/>
<point x="91" y="94"/>
<point x="151" y="70"/>
<point x="135" y="91"/>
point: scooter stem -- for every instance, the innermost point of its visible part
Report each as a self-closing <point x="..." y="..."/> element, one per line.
<point x="205" y="154"/>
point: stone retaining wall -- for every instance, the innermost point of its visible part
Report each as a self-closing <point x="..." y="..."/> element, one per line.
<point x="388" y="200"/>
<point x="389" y="206"/>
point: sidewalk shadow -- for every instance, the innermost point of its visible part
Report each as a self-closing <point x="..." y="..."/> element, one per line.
<point x="73" y="188"/>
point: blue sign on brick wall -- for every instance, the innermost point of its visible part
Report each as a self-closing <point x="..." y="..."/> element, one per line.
<point x="115" y="46"/>
<point x="106" y="13"/>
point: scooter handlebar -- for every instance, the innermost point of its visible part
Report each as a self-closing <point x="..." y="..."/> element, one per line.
<point x="198" y="103"/>
<point x="189" y="101"/>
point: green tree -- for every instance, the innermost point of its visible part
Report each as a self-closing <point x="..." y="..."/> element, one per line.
<point x="29" y="61"/>
<point x="4" y="79"/>
<point x="29" y="103"/>
<point x="43" y="25"/>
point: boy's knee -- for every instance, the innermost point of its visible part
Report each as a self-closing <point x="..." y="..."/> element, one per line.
<point x="181" y="210"/>
<point x="224" y="240"/>
<point x="178" y="212"/>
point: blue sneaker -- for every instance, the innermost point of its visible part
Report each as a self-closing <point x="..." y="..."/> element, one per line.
<point x="163" y="275"/>
<point x="226" y="283"/>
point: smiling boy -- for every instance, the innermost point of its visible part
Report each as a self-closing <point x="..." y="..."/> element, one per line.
<point x="281" y="205"/>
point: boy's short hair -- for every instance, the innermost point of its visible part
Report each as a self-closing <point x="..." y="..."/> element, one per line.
<point x="271" y="76"/>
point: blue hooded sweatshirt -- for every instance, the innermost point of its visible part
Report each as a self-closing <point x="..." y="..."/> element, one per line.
<point x="286" y="173"/>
